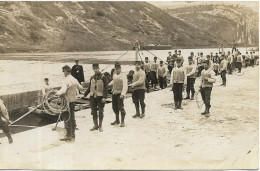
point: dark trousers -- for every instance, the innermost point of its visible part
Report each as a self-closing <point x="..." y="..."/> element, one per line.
<point x="153" y="78"/>
<point x="216" y="72"/>
<point x="223" y="76"/>
<point x="170" y="68"/>
<point x="147" y="80"/>
<point x="118" y="105"/>
<point x="97" y="105"/>
<point x="162" y="82"/>
<point x="200" y="68"/>
<point x="190" y="85"/>
<point x="69" y="117"/>
<point x="239" y="66"/>
<point x="138" y="97"/>
<point x="230" y="68"/>
<point x="205" y="94"/>
<point x="4" y="126"/>
<point x="247" y="63"/>
<point x="252" y="61"/>
<point x="177" y="91"/>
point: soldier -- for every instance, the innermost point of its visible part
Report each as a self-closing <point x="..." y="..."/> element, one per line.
<point x="119" y="90"/>
<point x="77" y="72"/>
<point x="230" y="63"/>
<point x="207" y="80"/>
<point x="239" y="62"/>
<point x="178" y="78"/>
<point x="154" y="67"/>
<point x="216" y="62"/>
<point x="247" y="60"/>
<point x="169" y="57"/>
<point x="161" y="75"/>
<point x="147" y="70"/>
<point x="211" y="64"/>
<point x="181" y="57"/>
<point x="200" y="65"/>
<point x="191" y="76"/>
<point x="138" y="93"/>
<point x="223" y="70"/>
<point x="4" y="124"/>
<point x="69" y="89"/>
<point x="98" y="90"/>
<point x="252" y="59"/>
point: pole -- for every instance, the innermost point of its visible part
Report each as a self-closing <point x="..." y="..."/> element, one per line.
<point x="136" y="50"/>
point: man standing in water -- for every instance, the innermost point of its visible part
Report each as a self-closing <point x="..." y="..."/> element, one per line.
<point x="69" y="90"/>
<point x="138" y="93"/>
<point x="207" y="80"/>
<point x="98" y="90"/>
<point x="77" y="72"/>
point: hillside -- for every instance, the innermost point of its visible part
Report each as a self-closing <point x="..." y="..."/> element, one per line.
<point x="92" y="26"/>
<point x="229" y="22"/>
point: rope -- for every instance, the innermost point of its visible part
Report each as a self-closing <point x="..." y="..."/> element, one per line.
<point x="52" y="105"/>
<point x="157" y="57"/>
<point x="116" y="60"/>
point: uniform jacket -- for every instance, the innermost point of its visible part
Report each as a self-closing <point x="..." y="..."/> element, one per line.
<point x="69" y="88"/>
<point x="98" y="86"/>
<point x="119" y="84"/>
<point x="139" y="80"/>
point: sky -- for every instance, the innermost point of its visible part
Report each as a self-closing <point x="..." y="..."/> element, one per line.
<point x="176" y="4"/>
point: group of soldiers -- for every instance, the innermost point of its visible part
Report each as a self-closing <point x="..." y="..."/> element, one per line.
<point x="145" y="74"/>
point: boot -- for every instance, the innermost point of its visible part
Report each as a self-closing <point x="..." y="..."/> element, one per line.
<point x="67" y="136"/>
<point x="143" y="111"/>
<point x="73" y="132"/>
<point x="116" y="122"/>
<point x="175" y="105"/>
<point x="10" y="139"/>
<point x="179" y="105"/>
<point x="122" y="121"/>
<point x="187" y="97"/>
<point x="192" y="96"/>
<point x="137" y="111"/>
<point x="207" y="112"/>
<point x="100" y="123"/>
<point x="204" y="113"/>
<point x="95" y="124"/>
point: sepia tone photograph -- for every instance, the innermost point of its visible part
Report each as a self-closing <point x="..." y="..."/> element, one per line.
<point x="129" y="85"/>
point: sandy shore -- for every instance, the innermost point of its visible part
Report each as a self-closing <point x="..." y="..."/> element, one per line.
<point x="164" y="139"/>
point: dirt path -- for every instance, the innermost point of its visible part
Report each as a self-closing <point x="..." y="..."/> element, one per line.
<point x="164" y="139"/>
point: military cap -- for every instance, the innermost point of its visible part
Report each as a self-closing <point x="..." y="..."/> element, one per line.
<point x="161" y="62"/>
<point x="66" y="68"/>
<point x="46" y="79"/>
<point x="76" y="60"/>
<point x="95" y="65"/>
<point x="201" y="52"/>
<point x="146" y="58"/>
<point x="155" y="57"/>
<point x="208" y="56"/>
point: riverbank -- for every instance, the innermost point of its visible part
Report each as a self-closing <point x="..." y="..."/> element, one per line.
<point x="164" y="139"/>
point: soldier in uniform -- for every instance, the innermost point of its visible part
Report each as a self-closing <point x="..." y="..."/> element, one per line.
<point x="207" y="80"/>
<point x="154" y="67"/>
<point x="147" y="70"/>
<point x="230" y="63"/>
<point x="223" y="70"/>
<point x="191" y="77"/>
<point x="119" y="91"/>
<point x="138" y="93"/>
<point x="98" y="90"/>
<point x="200" y="65"/>
<point x="216" y="62"/>
<point x="4" y="124"/>
<point x="239" y="62"/>
<point x="77" y="72"/>
<point x="69" y="89"/>
<point x="178" y="78"/>
<point x="161" y="75"/>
